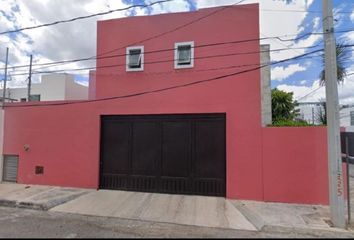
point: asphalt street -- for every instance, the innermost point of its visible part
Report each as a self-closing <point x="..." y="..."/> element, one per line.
<point x="24" y="223"/>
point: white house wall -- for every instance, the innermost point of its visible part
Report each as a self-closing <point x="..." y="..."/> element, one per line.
<point x="75" y="91"/>
<point x="53" y="87"/>
<point x="345" y="117"/>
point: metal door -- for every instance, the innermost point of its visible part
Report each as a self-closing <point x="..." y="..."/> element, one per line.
<point x="182" y="154"/>
<point x="10" y="168"/>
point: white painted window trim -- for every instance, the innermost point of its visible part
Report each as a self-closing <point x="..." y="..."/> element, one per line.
<point x="191" y="65"/>
<point x="127" y="59"/>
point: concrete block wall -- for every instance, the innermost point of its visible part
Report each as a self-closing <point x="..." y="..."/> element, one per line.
<point x="266" y="96"/>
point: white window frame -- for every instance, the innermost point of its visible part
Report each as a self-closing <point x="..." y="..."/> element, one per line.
<point x="191" y="65"/>
<point x="128" y="69"/>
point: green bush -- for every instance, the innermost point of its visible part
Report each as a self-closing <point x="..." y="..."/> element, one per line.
<point x="290" y="123"/>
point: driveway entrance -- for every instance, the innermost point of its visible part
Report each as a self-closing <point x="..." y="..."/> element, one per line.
<point x="168" y="208"/>
<point x="179" y="154"/>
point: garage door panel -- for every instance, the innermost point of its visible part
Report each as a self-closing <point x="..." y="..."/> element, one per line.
<point x="181" y="185"/>
<point x="116" y="147"/>
<point x="176" y="147"/>
<point x="210" y="149"/>
<point x="181" y="154"/>
<point x="146" y="152"/>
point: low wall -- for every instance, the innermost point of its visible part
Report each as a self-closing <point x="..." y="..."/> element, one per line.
<point x="285" y="164"/>
<point x="295" y="165"/>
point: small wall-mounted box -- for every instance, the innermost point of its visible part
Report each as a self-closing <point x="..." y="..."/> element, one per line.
<point x="39" y="170"/>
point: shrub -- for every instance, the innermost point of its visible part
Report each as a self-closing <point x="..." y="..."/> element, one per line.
<point x="290" y="123"/>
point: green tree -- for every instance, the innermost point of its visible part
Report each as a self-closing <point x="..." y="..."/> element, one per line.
<point x="283" y="106"/>
<point x="343" y="55"/>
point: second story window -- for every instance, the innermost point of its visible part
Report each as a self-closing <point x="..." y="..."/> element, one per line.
<point x="352" y="118"/>
<point x="135" y="58"/>
<point x="184" y="55"/>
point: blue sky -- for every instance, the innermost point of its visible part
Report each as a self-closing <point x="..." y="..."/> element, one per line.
<point x="70" y="41"/>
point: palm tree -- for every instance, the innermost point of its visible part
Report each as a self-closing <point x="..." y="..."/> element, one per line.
<point x="342" y="54"/>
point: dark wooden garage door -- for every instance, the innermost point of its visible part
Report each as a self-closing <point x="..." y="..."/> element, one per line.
<point x="182" y="154"/>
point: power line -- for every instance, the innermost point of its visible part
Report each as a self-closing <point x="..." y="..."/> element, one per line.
<point x="157" y="36"/>
<point x="162" y="50"/>
<point x="84" y="17"/>
<point x="169" y="49"/>
<point x="316" y="89"/>
<point x="300" y="11"/>
<point x="166" y="88"/>
<point x="172" y="30"/>
<point x="308" y="94"/>
<point x="153" y="62"/>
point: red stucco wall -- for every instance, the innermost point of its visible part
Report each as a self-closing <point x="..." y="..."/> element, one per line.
<point x="65" y="138"/>
<point x="295" y="165"/>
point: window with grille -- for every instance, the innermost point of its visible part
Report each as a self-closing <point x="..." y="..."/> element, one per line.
<point x="135" y="58"/>
<point x="352" y="118"/>
<point x="184" y="55"/>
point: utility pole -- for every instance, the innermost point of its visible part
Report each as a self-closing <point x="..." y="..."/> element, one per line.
<point x="336" y="189"/>
<point x="5" y="78"/>
<point x="29" y="80"/>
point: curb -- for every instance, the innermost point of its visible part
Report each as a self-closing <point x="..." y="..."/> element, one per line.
<point x="319" y="233"/>
<point x="27" y="205"/>
<point x="39" y="206"/>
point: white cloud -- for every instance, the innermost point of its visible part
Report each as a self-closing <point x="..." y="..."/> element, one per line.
<point x="352" y="17"/>
<point x="301" y="91"/>
<point x="278" y="23"/>
<point x="62" y="41"/>
<point x="314" y="93"/>
<point x="316" y="22"/>
<point x="174" y="6"/>
<point x="281" y="73"/>
<point x="55" y="43"/>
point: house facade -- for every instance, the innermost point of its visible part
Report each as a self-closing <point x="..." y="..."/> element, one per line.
<point x="53" y="87"/>
<point x="346" y="116"/>
<point x="176" y="106"/>
<point x="311" y="112"/>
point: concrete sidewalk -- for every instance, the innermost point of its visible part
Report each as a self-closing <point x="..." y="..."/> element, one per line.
<point x="166" y="208"/>
<point x="36" y="197"/>
<point x="199" y="211"/>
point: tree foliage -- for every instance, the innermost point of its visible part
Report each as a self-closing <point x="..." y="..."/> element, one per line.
<point x="283" y="106"/>
<point x="343" y="55"/>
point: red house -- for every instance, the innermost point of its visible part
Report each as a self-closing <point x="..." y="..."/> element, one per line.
<point x="175" y="108"/>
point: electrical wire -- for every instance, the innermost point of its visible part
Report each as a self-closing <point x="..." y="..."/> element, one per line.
<point x="83" y="17"/>
<point x="158" y="51"/>
<point x="308" y="94"/>
<point x="153" y="62"/>
<point x="169" y="49"/>
<point x="162" y="89"/>
<point x="158" y="35"/>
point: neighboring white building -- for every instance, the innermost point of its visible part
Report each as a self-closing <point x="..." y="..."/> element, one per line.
<point x="53" y="87"/>
<point x="346" y="116"/>
<point x="310" y="112"/>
